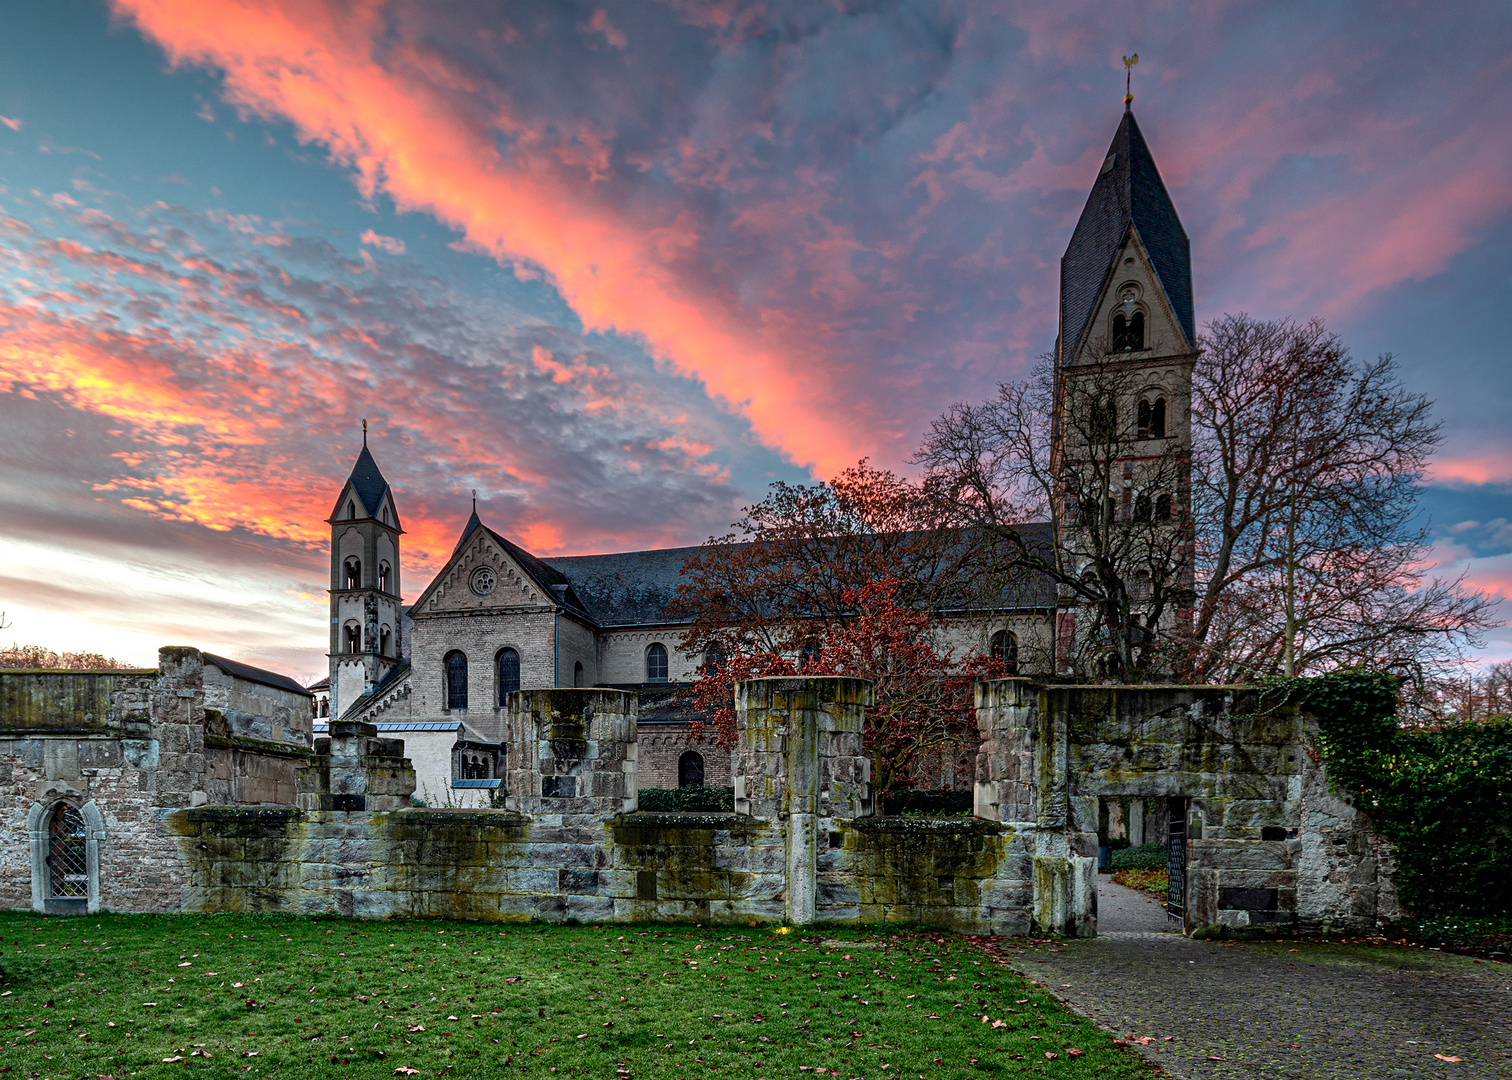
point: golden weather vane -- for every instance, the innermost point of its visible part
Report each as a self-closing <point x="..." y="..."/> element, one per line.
<point x="364" y="431"/>
<point x="1129" y="62"/>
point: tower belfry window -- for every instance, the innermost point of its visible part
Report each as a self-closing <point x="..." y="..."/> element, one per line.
<point x="353" y="573"/>
<point x="1128" y="332"/>
<point x="383" y="577"/>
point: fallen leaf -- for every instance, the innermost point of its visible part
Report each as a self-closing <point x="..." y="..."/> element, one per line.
<point x="1051" y="1054"/>
<point x="1072" y="1051"/>
<point x="405" y="1070"/>
<point x="417" y="1027"/>
<point x="1448" y="1057"/>
<point x="175" y="1057"/>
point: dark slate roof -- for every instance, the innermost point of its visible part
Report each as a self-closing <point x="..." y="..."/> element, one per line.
<point x="369" y="484"/>
<point x="1129" y="191"/>
<point x="239" y="670"/>
<point x="630" y="588"/>
<point x="323" y="683"/>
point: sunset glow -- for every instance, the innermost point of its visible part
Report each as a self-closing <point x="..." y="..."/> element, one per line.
<point x="618" y="267"/>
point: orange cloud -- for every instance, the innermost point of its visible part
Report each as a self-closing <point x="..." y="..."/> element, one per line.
<point x="403" y="128"/>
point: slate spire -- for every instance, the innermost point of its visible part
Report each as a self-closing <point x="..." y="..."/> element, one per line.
<point x="367" y="481"/>
<point x="1128" y="191"/>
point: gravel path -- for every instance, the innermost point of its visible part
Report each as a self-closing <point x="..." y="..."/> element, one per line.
<point x="1280" y="1010"/>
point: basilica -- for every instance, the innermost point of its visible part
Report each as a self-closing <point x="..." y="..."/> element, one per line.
<point x="498" y="618"/>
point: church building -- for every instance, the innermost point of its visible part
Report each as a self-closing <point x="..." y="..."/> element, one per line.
<point x="498" y="618"/>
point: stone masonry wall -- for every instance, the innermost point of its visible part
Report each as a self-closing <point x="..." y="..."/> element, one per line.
<point x="126" y="746"/>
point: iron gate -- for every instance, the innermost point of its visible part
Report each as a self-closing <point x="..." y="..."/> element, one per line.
<point x="1176" y="859"/>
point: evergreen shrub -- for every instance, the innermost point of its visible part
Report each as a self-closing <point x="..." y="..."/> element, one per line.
<point x="938" y="803"/>
<point x="1143" y="857"/>
<point x="688" y="800"/>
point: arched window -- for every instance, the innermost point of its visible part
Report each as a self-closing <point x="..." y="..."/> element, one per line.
<point x="353" y="637"/>
<point x="353" y="573"/>
<point x="325" y="706"/>
<point x="384" y="634"/>
<point x="1142" y="507"/>
<point x="1162" y="508"/>
<point x="67" y="862"/>
<point x="383" y="577"/>
<point x="1157" y="419"/>
<point x="1005" y="650"/>
<point x="1128" y="332"/>
<point x="808" y="653"/>
<point x="690" y="770"/>
<point x="577" y="673"/>
<point x="713" y="660"/>
<point x="351" y="509"/>
<point x="1104" y="421"/>
<point x="507" y="664"/>
<point x="656" y="663"/>
<point x="456" y="680"/>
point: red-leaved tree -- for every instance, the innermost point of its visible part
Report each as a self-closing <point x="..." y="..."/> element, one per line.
<point x="923" y="713"/>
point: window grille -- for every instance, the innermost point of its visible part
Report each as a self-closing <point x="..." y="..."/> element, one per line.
<point x="66" y="860"/>
<point x="509" y="672"/>
<point x="656" y="663"/>
<point x="456" y="681"/>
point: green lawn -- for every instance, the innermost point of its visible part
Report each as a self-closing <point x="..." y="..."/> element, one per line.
<point x="227" y="995"/>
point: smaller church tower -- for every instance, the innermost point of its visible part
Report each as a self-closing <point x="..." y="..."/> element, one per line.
<point x="365" y="604"/>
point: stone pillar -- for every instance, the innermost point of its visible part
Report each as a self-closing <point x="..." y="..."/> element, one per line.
<point x="1065" y="858"/>
<point x="178" y="728"/>
<point x="799" y="760"/>
<point x="1005" y="762"/>
<point x="572" y="753"/>
<point x="353" y="769"/>
<point x="1136" y="821"/>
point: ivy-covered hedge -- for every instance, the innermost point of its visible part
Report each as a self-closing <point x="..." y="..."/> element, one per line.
<point x="923" y="803"/>
<point x="1442" y="797"/>
<point x="687" y="800"/>
<point x="1143" y="857"/>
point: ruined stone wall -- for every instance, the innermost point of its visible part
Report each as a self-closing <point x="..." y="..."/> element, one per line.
<point x="123" y="747"/>
<point x="1268" y="846"/>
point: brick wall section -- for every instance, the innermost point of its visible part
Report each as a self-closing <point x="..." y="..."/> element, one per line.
<point x="480" y="636"/>
<point x="662" y="747"/>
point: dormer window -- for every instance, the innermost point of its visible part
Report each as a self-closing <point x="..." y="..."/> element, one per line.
<point x="351" y="509"/>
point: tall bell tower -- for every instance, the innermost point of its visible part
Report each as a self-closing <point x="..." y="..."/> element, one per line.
<point x="1124" y="359"/>
<point x="365" y="596"/>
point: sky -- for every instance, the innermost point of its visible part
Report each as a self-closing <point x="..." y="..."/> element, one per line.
<point x="618" y="266"/>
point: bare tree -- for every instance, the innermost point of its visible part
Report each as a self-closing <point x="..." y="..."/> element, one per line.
<point x="1076" y="452"/>
<point x="1285" y="538"/>
<point x="1310" y="549"/>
